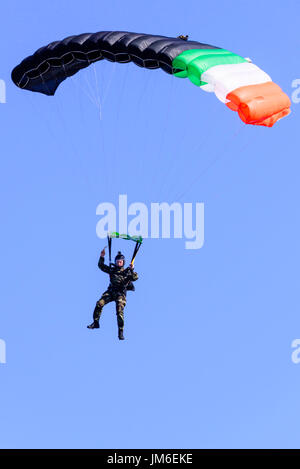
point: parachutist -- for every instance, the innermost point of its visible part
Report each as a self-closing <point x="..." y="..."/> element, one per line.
<point x="120" y="282"/>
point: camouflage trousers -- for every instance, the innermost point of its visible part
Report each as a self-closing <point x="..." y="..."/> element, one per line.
<point x="108" y="297"/>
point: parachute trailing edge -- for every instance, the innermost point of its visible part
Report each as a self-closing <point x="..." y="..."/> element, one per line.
<point x="241" y="85"/>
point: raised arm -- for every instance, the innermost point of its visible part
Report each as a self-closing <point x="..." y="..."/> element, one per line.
<point x="102" y="266"/>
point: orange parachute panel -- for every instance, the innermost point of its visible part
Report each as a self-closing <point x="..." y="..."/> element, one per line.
<point x="262" y="104"/>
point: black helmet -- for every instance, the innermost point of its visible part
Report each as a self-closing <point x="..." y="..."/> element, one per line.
<point x="120" y="257"/>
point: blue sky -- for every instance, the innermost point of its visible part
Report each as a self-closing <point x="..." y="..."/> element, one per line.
<point x="207" y="357"/>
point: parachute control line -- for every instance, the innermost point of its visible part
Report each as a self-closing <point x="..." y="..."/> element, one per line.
<point x="241" y="85"/>
<point x="137" y="239"/>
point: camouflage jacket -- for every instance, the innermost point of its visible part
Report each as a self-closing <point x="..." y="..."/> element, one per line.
<point x="120" y="278"/>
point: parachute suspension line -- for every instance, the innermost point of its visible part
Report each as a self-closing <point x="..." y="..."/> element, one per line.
<point x="106" y="91"/>
<point x="82" y="167"/>
<point x="82" y="92"/>
<point x="165" y="126"/>
<point x="115" y="153"/>
<point x="88" y="90"/>
<point x="206" y="131"/>
<point x="93" y="87"/>
<point x="139" y="116"/>
<point x="218" y="156"/>
<point x="109" y="248"/>
<point x="136" y="250"/>
<point x="142" y="118"/>
<point x="67" y="131"/>
<point x="90" y="86"/>
<point x="105" y="172"/>
<point x="101" y="127"/>
<point x="78" y="84"/>
<point x="71" y="139"/>
<point x="43" y="118"/>
<point x="170" y="156"/>
<point x="97" y="91"/>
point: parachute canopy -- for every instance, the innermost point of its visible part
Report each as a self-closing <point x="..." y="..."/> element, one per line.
<point x="241" y="85"/>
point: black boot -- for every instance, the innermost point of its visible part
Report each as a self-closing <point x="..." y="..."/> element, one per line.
<point x="94" y="325"/>
<point x="121" y="336"/>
